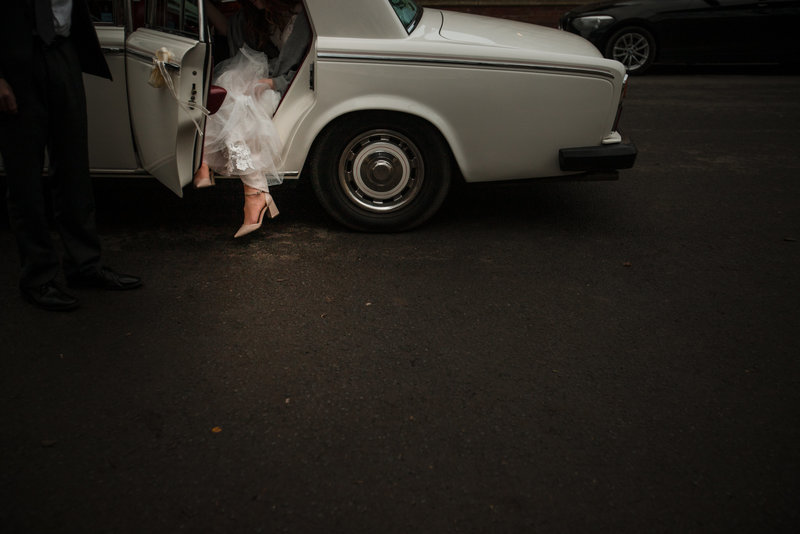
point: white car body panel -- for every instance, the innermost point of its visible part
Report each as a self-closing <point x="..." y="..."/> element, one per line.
<point x="110" y="146"/>
<point x="166" y="133"/>
<point x="361" y="19"/>
<point x="473" y="90"/>
<point x="488" y="31"/>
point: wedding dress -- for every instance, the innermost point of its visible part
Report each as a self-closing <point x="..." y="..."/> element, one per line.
<point x="241" y="139"/>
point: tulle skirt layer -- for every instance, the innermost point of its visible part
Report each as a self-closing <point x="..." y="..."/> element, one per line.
<point x="241" y="138"/>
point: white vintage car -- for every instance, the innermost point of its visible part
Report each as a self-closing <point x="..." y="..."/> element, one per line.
<point x="392" y="102"/>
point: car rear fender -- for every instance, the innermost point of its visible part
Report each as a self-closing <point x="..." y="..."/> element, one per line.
<point x="314" y="126"/>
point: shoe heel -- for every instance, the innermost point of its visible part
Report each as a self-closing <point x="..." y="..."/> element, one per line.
<point x="203" y="177"/>
<point x="272" y="209"/>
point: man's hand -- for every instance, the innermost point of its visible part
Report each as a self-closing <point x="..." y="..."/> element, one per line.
<point x="8" y="103"/>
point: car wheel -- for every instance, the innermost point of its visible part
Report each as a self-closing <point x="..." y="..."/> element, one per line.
<point x="634" y="47"/>
<point x="380" y="172"/>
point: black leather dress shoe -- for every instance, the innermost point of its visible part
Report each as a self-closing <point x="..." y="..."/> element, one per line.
<point x="50" y="297"/>
<point x="104" y="278"/>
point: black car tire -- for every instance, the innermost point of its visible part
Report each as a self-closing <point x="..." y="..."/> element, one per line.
<point x="380" y="171"/>
<point x="634" y="47"/>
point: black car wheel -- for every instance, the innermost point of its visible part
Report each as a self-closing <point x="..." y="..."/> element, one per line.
<point x="634" y="47"/>
<point x="380" y="171"/>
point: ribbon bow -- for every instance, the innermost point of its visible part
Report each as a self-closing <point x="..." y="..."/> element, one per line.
<point x="159" y="77"/>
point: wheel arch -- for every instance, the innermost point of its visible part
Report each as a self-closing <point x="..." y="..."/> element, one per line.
<point x="389" y="107"/>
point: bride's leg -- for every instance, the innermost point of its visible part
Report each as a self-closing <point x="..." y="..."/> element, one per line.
<point x="253" y="204"/>
<point x="256" y="198"/>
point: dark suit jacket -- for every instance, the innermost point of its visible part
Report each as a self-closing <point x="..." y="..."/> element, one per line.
<point x="17" y="40"/>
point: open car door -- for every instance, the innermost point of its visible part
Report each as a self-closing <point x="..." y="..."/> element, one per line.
<point x="166" y="113"/>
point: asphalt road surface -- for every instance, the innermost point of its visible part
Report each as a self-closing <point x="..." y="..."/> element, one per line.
<point x="560" y="357"/>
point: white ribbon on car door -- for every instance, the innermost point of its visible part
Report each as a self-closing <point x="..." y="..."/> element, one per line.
<point x="159" y="77"/>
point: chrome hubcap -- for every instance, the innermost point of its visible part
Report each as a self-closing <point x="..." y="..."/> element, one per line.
<point x="381" y="171"/>
<point x="632" y="50"/>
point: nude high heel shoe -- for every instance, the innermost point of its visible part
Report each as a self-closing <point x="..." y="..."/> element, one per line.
<point x="203" y="177"/>
<point x="269" y="208"/>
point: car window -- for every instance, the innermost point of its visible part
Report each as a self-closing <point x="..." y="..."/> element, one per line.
<point x="138" y="13"/>
<point x="174" y="16"/>
<point x="106" y="11"/>
<point x="408" y="11"/>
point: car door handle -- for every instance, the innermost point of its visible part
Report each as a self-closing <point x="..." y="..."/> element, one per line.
<point x="113" y="51"/>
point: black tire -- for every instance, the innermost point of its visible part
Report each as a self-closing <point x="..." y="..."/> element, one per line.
<point x="634" y="47"/>
<point x="380" y="172"/>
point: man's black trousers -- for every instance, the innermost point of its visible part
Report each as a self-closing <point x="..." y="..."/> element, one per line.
<point x="52" y="113"/>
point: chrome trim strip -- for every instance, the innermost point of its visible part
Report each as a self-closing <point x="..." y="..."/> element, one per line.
<point x="118" y="172"/>
<point x="284" y="174"/>
<point x="201" y="17"/>
<point x="142" y="172"/>
<point x="147" y="56"/>
<point x="479" y="63"/>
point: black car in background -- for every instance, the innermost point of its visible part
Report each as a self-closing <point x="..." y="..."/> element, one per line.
<point x="639" y="33"/>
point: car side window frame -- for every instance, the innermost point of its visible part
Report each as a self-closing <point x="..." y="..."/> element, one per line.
<point x="107" y="12"/>
<point x="177" y="17"/>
